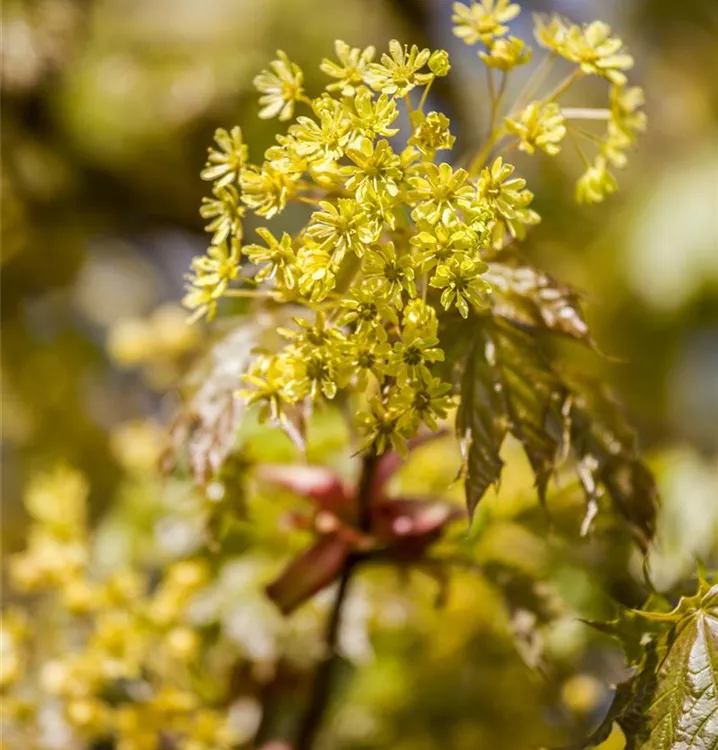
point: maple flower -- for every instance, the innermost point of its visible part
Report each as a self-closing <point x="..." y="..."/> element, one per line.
<point x="393" y="272"/>
<point x="506" y="54"/>
<point x="438" y="242"/>
<point x="226" y="213"/>
<point x="484" y="20"/>
<point x="539" y="125"/>
<point x="431" y="133"/>
<point x="266" y="190"/>
<point x="427" y="401"/>
<point x="269" y="378"/>
<point x="211" y="274"/>
<point x="369" y="355"/>
<point x="440" y="192"/>
<point x="327" y="139"/>
<point x="281" y="87"/>
<point x="381" y="428"/>
<point x="374" y="117"/>
<point x="366" y="307"/>
<point x="411" y="355"/>
<point x="350" y="70"/>
<point x="551" y="32"/>
<point x="463" y="286"/>
<point x="278" y="256"/>
<point x="224" y="164"/>
<point x="597" y="52"/>
<point x="342" y="227"/>
<point x="398" y="73"/>
<point x="318" y="273"/>
<point x="508" y="196"/>
<point x="377" y="169"/>
<point x="596" y="183"/>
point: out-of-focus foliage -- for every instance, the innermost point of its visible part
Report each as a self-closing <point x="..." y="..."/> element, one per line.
<point x="107" y="109"/>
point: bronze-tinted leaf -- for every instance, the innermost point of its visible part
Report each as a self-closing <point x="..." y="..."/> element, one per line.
<point x="531" y="299"/>
<point x="605" y="448"/>
<point x="480" y="420"/>
<point x="533" y="396"/>
<point x="506" y="385"/>
<point x="310" y="572"/>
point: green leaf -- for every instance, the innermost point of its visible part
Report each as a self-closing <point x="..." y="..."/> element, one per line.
<point x="671" y="703"/>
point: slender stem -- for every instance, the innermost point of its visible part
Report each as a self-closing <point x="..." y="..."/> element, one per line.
<point x="254" y="293"/>
<point x="322" y="686"/>
<point x="422" y="101"/>
<point x="510" y="146"/>
<point x="578" y="148"/>
<point x="585" y="113"/>
<point x="496" y="133"/>
<point x="409" y="108"/>
<point x="586" y="134"/>
<point x="534" y="82"/>
<point x="492" y="91"/>
<point x="565" y="85"/>
<point x="478" y="161"/>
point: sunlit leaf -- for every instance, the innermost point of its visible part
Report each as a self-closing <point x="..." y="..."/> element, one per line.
<point x="205" y="428"/>
<point x="671" y="703"/>
<point x="531" y="299"/>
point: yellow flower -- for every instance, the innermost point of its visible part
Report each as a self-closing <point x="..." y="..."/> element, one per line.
<point x="374" y="117"/>
<point x="460" y="278"/>
<point x="440" y="193"/>
<point x="57" y="500"/>
<point x="351" y="69"/>
<point x="281" y="87"/>
<point x="278" y="256"/>
<point x="508" y="197"/>
<point x="226" y="214"/>
<point x="398" y="72"/>
<point x="626" y="113"/>
<point x="327" y="139"/>
<point x="506" y="54"/>
<point x="393" y="272"/>
<point x="381" y="428"/>
<point x="342" y="227"/>
<point x="267" y="190"/>
<point x="597" y="52"/>
<point x="376" y="168"/>
<point x="439" y="63"/>
<point x="484" y="20"/>
<point x="211" y="274"/>
<point x="431" y="133"/>
<point x="223" y="165"/>
<point x="596" y="183"/>
<point x="538" y="126"/>
<point x="551" y="32"/>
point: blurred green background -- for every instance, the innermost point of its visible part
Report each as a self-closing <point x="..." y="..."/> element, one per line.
<point x="107" y="109"/>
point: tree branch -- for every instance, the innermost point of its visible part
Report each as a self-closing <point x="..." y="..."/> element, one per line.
<point x="322" y="685"/>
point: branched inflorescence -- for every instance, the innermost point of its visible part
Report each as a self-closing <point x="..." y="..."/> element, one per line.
<point x="398" y="233"/>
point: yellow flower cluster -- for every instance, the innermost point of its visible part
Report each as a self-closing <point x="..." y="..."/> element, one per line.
<point x="123" y="659"/>
<point x="157" y="344"/>
<point x="396" y="235"/>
